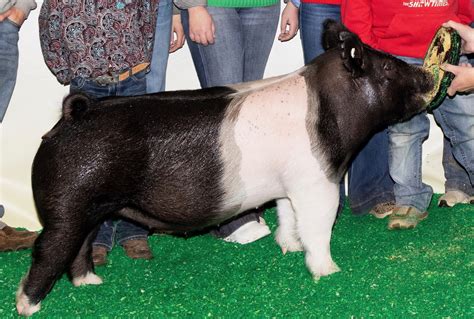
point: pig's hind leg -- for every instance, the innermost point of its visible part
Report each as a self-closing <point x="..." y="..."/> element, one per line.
<point x="81" y="270"/>
<point x="57" y="250"/>
<point x="315" y="206"/>
<point x="287" y="235"/>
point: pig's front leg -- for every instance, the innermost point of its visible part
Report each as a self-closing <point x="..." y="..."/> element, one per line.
<point x="315" y="206"/>
<point x="287" y="235"/>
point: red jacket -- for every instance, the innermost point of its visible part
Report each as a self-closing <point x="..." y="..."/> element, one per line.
<point x="402" y="27"/>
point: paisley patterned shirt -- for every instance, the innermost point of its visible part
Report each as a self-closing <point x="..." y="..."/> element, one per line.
<point x="90" y="38"/>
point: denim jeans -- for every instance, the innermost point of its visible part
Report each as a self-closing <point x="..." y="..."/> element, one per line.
<point x="455" y="175"/>
<point x="369" y="181"/>
<point x="244" y="38"/>
<point x="156" y="78"/>
<point x="134" y="85"/>
<point x="312" y="16"/>
<point x="8" y="62"/>
<point x="115" y="230"/>
<point x="455" y="116"/>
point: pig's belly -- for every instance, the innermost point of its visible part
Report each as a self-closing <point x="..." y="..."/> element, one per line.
<point x="257" y="190"/>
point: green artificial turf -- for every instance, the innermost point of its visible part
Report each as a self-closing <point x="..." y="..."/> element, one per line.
<point x="426" y="273"/>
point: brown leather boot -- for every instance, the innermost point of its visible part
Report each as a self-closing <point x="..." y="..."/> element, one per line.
<point x="12" y="239"/>
<point x="137" y="249"/>
<point x="99" y="255"/>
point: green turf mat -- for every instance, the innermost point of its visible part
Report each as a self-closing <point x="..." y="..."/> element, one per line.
<point x="425" y="273"/>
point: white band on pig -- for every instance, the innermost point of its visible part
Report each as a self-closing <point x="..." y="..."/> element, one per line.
<point x="353" y="50"/>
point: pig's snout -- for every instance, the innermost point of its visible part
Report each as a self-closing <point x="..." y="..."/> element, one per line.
<point x="424" y="83"/>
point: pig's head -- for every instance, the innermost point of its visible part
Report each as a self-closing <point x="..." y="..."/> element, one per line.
<point x="355" y="91"/>
<point x="371" y="79"/>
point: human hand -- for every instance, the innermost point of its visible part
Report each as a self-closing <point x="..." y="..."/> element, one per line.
<point x="289" y="22"/>
<point x="463" y="77"/>
<point x="14" y="14"/>
<point x="201" y="26"/>
<point x="466" y="33"/>
<point x="177" y="34"/>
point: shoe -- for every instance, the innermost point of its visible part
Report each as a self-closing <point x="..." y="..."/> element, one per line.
<point x="99" y="255"/>
<point x="405" y="217"/>
<point x="12" y="239"/>
<point x="137" y="249"/>
<point x="249" y="232"/>
<point x="12" y="232"/>
<point x="451" y="198"/>
<point x="382" y="210"/>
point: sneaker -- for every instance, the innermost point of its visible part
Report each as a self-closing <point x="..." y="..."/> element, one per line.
<point x="99" y="255"/>
<point x="137" y="249"/>
<point x="451" y="198"/>
<point x="405" y="217"/>
<point x="12" y="239"/>
<point x="382" y="210"/>
<point x="249" y="232"/>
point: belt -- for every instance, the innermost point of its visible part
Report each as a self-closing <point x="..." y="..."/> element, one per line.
<point x="115" y="78"/>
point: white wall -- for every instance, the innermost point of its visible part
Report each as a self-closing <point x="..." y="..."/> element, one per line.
<point x="36" y="105"/>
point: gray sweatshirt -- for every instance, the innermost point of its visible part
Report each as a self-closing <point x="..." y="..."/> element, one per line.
<point x="186" y="4"/>
<point x="24" y="5"/>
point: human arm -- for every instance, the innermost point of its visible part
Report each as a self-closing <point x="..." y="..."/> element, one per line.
<point x="289" y="22"/>
<point x="177" y="34"/>
<point x="201" y="25"/>
<point x="464" y="73"/>
<point x="463" y="78"/>
<point x="466" y="33"/>
<point x="19" y="12"/>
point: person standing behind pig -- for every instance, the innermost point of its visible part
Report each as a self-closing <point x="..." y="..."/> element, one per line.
<point x="230" y="41"/>
<point x="405" y="29"/>
<point x="454" y="173"/>
<point x="102" y="48"/>
<point x="370" y="187"/>
<point x="12" y="15"/>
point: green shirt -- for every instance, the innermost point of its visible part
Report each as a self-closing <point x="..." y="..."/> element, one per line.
<point x="241" y="3"/>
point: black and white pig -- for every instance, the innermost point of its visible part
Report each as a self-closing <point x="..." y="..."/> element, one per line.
<point x="185" y="160"/>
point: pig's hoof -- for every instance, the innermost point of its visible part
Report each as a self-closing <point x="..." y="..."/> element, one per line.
<point x="24" y="307"/>
<point x="288" y="243"/>
<point x="88" y="279"/>
<point x="321" y="269"/>
<point x="290" y="247"/>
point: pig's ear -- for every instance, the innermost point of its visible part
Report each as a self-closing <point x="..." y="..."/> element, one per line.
<point x="352" y="53"/>
<point x="331" y="31"/>
<point x="75" y="105"/>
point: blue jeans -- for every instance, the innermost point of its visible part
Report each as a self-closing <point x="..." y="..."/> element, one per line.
<point x="134" y="85"/>
<point x="455" y="116"/>
<point x="115" y="230"/>
<point x="312" y="17"/>
<point x="8" y="62"/>
<point x="244" y="38"/>
<point x="369" y="179"/>
<point x="455" y="175"/>
<point x="156" y="78"/>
